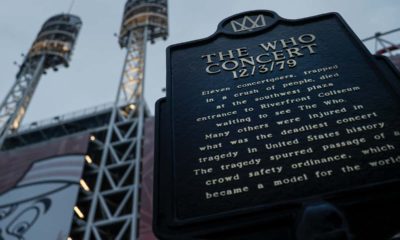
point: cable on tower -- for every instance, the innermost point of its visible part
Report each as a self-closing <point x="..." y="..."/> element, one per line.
<point x="71" y="6"/>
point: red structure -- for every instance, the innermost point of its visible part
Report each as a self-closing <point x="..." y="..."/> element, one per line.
<point x="146" y="207"/>
<point x="385" y="47"/>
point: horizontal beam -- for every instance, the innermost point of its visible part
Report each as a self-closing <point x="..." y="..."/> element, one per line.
<point x="378" y="34"/>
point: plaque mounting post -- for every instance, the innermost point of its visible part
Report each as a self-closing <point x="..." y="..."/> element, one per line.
<point x="322" y="220"/>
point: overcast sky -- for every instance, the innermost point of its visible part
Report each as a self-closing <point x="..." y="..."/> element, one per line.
<point x="96" y="65"/>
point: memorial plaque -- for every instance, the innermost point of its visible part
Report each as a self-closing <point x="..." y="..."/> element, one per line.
<point x="396" y="60"/>
<point x="268" y="114"/>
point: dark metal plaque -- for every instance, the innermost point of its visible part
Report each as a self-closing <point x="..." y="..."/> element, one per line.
<point x="268" y="114"/>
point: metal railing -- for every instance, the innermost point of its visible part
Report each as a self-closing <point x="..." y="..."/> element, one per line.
<point x="65" y="117"/>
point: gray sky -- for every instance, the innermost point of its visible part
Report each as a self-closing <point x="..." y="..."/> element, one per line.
<point x="97" y="61"/>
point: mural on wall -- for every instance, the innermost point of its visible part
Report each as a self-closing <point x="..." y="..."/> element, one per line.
<point x="39" y="185"/>
<point x="146" y="209"/>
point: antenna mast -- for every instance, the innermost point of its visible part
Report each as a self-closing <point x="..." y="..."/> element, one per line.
<point x="71" y="6"/>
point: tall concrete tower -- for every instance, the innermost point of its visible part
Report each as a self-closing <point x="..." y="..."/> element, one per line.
<point x="52" y="48"/>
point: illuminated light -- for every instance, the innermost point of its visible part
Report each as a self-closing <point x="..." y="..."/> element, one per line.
<point x="18" y="119"/>
<point x="69" y="238"/>
<point x="78" y="212"/>
<point x="65" y="48"/>
<point x="132" y="106"/>
<point x="88" y="159"/>
<point x="84" y="185"/>
<point x="15" y="126"/>
<point x="134" y="69"/>
<point x="92" y="138"/>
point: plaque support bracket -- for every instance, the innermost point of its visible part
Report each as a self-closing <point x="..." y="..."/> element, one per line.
<point x="322" y="220"/>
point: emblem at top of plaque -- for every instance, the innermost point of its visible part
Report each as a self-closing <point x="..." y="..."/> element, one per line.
<point x="248" y="22"/>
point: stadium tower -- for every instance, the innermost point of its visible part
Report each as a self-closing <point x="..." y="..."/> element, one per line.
<point x="52" y="47"/>
<point x="114" y="203"/>
<point x="108" y="203"/>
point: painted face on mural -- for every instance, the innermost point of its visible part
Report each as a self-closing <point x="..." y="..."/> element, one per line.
<point x="16" y="220"/>
<point x="39" y="185"/>
<point x="40" y="204"/>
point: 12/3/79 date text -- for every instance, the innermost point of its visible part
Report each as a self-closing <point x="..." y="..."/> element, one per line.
<point x="264" y="68"/>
